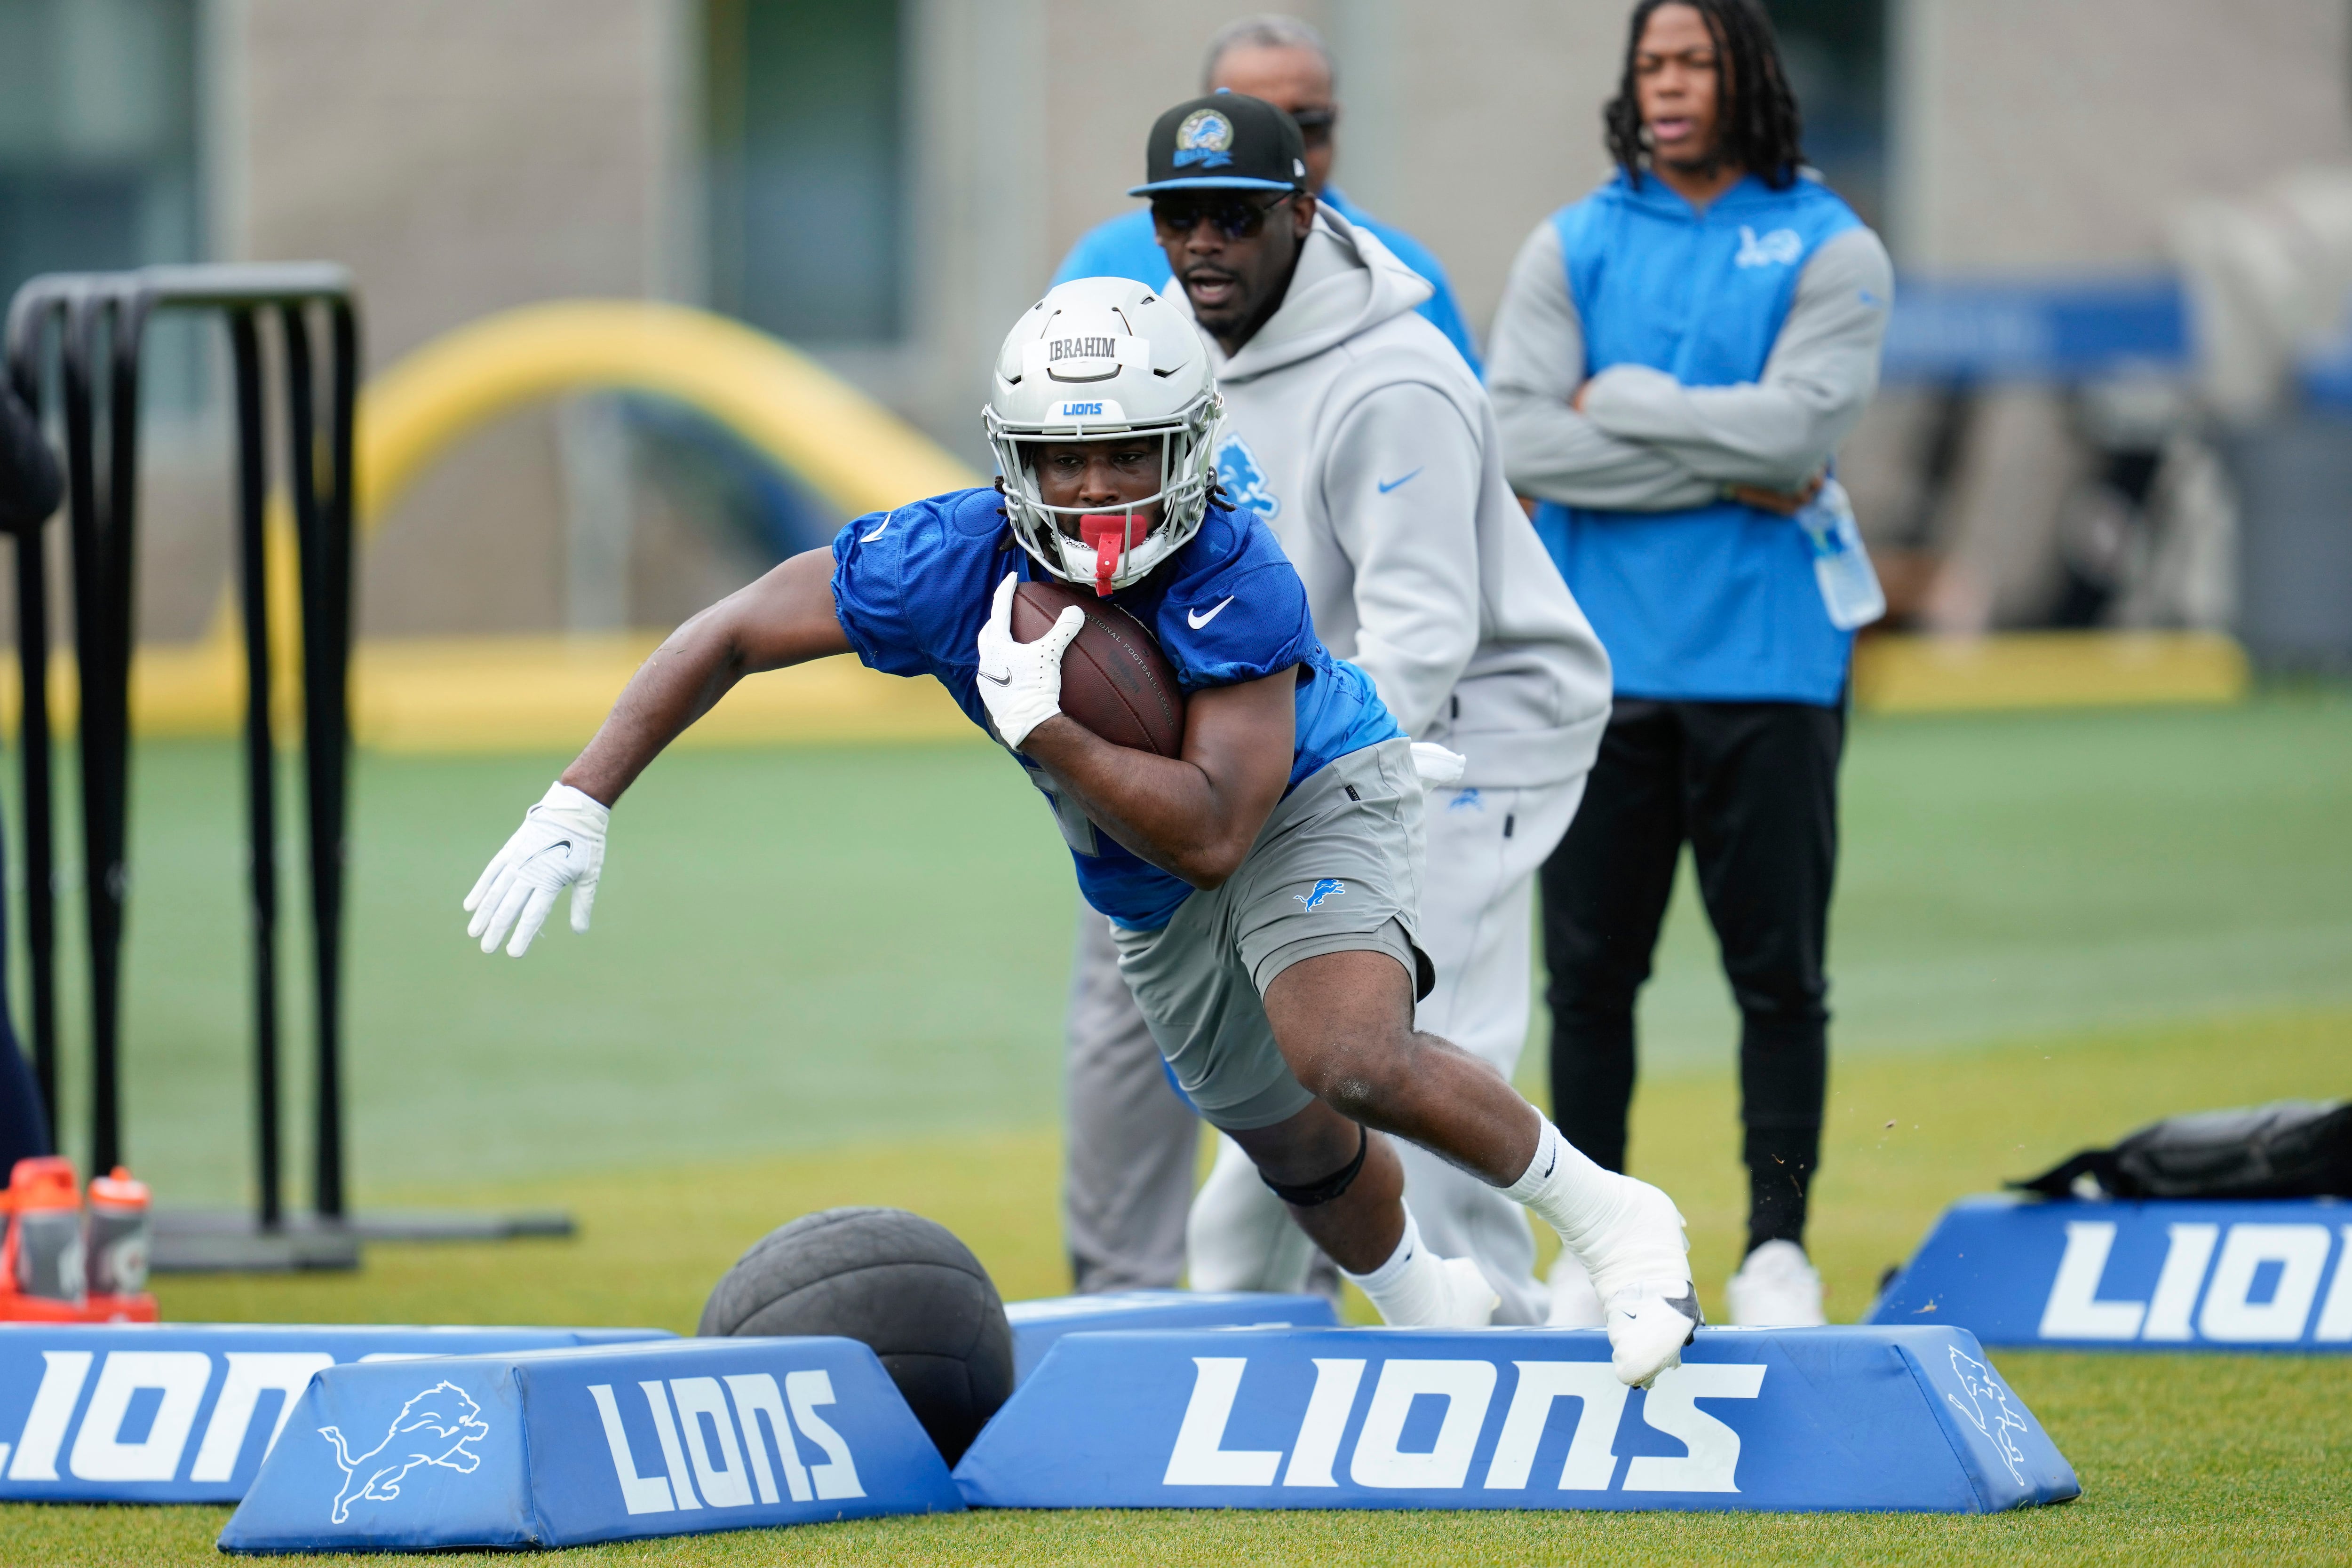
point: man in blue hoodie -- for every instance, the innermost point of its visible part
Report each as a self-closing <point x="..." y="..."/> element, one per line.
<point x="1675" y="360"/>
<point x="1286" y="62"/>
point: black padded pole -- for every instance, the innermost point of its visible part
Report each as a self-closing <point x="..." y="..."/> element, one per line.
<point x="260" y="756"/>
<point x="106" y="721"/>
<point x="323" y="522"/>
<point x="329" y="788"/>
<point x="40" y="831"/>
<point x="106" y="313"/>
<point x="28" y="322"/>
<point x="86" y="519"/>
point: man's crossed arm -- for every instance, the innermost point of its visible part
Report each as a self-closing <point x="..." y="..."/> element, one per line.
<point x="1636" y="439"/>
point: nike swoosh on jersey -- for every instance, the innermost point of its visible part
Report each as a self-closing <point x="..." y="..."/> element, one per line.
<point x="870" y="538"/>
<point x="1196" y="620"/>
<point x="1385" y="485"/>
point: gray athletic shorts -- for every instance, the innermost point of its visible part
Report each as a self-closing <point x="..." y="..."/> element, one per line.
<point x="1336" y="870"/>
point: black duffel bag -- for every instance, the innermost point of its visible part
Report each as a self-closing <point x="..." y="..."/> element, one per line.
<point x="2295" y="1148"/>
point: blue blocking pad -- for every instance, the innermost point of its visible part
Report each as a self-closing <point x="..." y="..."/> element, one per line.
<point x="185" y="1412"/>
<point x="1037" y="1325"/>
<point x="2162" y="1274"/>
<point x="1906" y="1418"/>
<point x="564" y="1447"/>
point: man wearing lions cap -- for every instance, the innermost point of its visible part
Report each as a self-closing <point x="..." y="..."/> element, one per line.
<point x="1361" y="438"/>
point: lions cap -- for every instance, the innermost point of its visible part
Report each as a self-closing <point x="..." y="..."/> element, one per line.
<point x="1225" y="141"/>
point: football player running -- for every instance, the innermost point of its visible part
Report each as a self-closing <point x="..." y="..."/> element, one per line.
<point x="1263" y="886"/>
<point x="1369" y="450"/>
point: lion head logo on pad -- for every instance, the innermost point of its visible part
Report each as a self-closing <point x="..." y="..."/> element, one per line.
<point x="1987" y="1409"/>
<point x="432" y="1428"/>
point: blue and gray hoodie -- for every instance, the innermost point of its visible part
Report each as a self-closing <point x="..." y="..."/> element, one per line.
<point x="1733" y="346"/>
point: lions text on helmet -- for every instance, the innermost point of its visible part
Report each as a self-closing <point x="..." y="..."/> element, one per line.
<point x="1103" y="380"/>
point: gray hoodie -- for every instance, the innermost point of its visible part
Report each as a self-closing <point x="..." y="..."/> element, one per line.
<point x="1355" y="429"/>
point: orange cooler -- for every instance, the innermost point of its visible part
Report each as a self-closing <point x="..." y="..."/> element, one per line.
<point x="119" y="1233"/>
<point x="42" y="1277"/>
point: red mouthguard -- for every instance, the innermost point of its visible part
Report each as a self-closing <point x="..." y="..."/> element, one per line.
<point x="1110" y="533"/>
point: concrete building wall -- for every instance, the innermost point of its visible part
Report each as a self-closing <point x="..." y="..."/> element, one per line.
<point x="464" y="158"/>
<point x="1111" y="68"/>
<point x="2041" y="137"/>
<point x="981" y="195"/>
<point x="1463" y="123"/>
<point x="461" y="157"/>
<point x="2041" y="140"/>
<point x="1469" y="122"/>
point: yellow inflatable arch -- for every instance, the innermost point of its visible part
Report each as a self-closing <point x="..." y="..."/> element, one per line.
<point x="504" y="694"/>
<point x="509" y="693"/>
<point x="852" y="451"/>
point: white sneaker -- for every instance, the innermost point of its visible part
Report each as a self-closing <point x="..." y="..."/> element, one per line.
<point x="1640" y="1263"/>
<point x="1640" y="1244"/>
<point x="1777" y="1288"/>
<point x="1470" y="1300"/>
<point x="1647" y="1330"/>
<point x="1575" y="1304"/>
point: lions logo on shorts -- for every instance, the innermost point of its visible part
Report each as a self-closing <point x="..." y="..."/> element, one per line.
<point x="1313" y="898"/>
<point x="1206" y="138"/>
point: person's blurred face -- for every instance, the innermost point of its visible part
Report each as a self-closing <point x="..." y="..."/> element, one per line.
<point x="1233" y="252"/>
<point x="1100" y="476"/>
<point x="1677" y="84"/>
<point x="1295" y="81"/>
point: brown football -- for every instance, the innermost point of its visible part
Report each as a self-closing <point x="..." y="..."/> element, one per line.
<point x="1115" y="679"/>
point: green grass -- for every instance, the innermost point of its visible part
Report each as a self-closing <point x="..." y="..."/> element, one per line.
<point x="654" y="1239"/>
<point x="2203" y="1457"/>
<point x="794" y="948"/>
<point x="835" y="976"/>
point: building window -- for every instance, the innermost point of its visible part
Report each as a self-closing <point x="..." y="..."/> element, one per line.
<point x="97" y="136"/>
<point x="806" y="158"/>
<point x="1836" y="52"/>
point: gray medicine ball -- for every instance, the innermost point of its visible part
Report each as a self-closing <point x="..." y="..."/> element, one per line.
<point x="902" y="1284"/>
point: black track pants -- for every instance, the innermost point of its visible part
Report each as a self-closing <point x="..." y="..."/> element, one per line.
<point x="1752" y="787"/>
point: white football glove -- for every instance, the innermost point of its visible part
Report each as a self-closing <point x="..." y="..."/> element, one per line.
<point x="1438" y="767"/>
<point x="1021" y="683"/>
<point x="560" y="845"/>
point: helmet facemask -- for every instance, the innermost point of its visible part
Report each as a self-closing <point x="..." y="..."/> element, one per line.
<point x="1109" y="548"/>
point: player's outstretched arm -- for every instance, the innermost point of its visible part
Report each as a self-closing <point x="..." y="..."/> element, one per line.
<point x="785" y="618"/>
<point x="1194" y="816"/>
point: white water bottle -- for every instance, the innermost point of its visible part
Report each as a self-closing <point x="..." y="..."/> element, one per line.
<point x="1850" y="589"/>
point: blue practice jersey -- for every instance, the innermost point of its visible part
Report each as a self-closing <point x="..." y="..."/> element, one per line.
<point x="1128" y="246"/>
<point x="913" y="588"/>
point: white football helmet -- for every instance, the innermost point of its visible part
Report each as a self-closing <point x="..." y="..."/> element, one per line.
<point x="1100" y="357"/>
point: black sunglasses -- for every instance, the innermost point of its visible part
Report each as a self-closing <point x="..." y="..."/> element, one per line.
<point x="1234" y="214"/>
<point x="1315" y="124"/>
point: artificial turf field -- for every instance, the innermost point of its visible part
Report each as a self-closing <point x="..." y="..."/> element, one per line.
<point x="833" y="977"/>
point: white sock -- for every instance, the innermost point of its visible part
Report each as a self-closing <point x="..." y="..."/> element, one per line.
<point x="1574" y="1196"/>
<point x="1410" y="1288"/>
